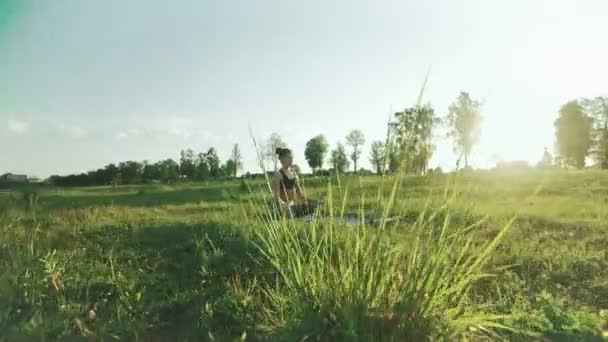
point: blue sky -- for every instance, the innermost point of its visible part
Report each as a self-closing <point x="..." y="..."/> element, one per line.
<point x="86" y="83"/>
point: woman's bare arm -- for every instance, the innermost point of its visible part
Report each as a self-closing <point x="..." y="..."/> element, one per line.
<point x="299" y="190"/>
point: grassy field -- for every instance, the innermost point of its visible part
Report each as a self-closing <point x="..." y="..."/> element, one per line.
<point x="477" y="256"/>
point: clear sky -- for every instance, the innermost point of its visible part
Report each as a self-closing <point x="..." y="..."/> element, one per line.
<point x="85" y="83"/>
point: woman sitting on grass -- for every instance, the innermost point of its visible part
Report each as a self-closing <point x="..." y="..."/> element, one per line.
<point x="287" y="190"/>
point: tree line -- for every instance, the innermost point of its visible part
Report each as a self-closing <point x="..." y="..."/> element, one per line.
<point x="409" y="141"/>
<point x="581" y="131"/>
<point x="191" y="166"/>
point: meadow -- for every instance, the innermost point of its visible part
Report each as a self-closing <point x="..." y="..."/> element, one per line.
<point x="483" y="255"/>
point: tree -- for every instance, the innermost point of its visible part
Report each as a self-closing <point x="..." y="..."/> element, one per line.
<point x="393" y="161"/>
<point x="187" y="167"/>
<point x="377" y="156"/>
<point x="573" y="132"/>
<point x="338" y="158"/>
<point x="390" y="152"/>
<point x="413" y="131"/>
<point x="168" y="170"/>
<point x="110" y="174"/>
<point x="464" y="121"/>
<point x="213" y="162"/>
<point x="202" y="168"/>
<point x="113" y="173"/>
<point x="547" y="159"/>
<point x="130" y="172"/>
<point x="355" y="139"/>
<point x="229" y="168"/>
<point x="150" y="172"/>
<point x="597" y="108"/>
<point x="275" y="141"/>
<point x="600" y="152"/>
<point x="315" y="151"/>
<point x="237" y="159"/>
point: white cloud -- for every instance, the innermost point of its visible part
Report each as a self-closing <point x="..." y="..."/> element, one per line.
<point x="133" y="132"/>
<point x="18" y="127"/>
<point x="173" y="127"/>
<point x="71" y="130"/>
<point x="215" y="136"/>
<point x="158" y="127"/>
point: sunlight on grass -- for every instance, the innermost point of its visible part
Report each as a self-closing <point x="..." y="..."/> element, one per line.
<point x="448" y="265"/>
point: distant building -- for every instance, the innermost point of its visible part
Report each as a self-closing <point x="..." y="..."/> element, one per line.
<point x="11" y="178"/>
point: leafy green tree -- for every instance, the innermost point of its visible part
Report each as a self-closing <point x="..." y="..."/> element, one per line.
<point x="93" y="177"/>
<point x="275" y="141"/>
<point x="413" y="131"/>
<point x="56" y="180"/>
<point x="187" y="166"/>
<point x="597" y="108"/>
<point x="168" y="170"/>
<point x="355" y="139"/>
<point x="109" y="175"/>
<point x="315" y="151"/>
<point x="151" y="172"/>
<point x="131" y="172"/>
<point x="82" y="179"/>
<point x="464" y="124"/>
<point x="377" y="156"/>
<point x="213" y="162"/>
<point x="338" y="158"/>
<point x="229" y="169"/>
<point x="600" y="152"/>
<point x="393" y="161"/>
<point x="573" y="132"/>
<point x="237" y="159"/>
<point x="202" y="167"/>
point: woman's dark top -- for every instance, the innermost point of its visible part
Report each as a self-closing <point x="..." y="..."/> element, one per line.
<point x="286" y="182"/>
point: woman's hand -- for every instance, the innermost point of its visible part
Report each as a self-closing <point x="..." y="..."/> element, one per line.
<point x="284" y="204"/>
<point x="301" y="193"/>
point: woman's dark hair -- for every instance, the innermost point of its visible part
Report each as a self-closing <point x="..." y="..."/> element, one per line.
<point x="282" y="151"/>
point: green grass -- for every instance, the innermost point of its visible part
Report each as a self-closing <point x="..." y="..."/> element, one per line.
<point x="477" y="256"/>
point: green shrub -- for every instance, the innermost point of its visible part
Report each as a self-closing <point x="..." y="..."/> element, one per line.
<point x="346" y="283"/>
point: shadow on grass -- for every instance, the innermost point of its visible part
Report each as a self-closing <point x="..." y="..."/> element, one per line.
<point x="142" y="198"/>
<point x="176" y="271"/>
